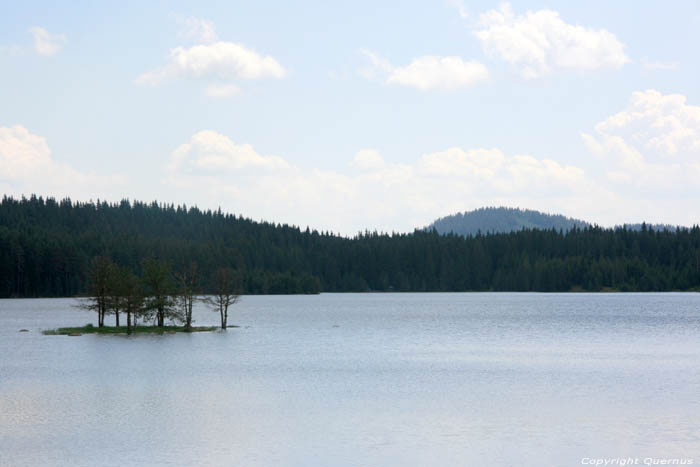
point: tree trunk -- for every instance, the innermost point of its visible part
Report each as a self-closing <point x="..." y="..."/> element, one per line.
<point x="188" y="313"/>
<point x="116" y="314"/>
<point x="128" y="322"/>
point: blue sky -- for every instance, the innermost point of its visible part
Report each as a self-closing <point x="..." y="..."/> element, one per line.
<point x="354" y="115"/>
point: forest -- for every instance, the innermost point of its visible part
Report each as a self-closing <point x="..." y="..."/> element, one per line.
<point x="48" y="245"/>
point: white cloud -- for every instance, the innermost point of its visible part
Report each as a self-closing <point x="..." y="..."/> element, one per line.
<point x="654" y="144"/>
<point x="493" y="172"/>
<point x="432" y="72"/>
<point x="220" y="60"/>
<point x="21" y="151"/>
<point x="428" y="72"/>
<point x="212" y="151"/>
<point x="210" y="170"/>
<point x="539" y="42"/>
<point x="647" y="168"/>
<point x="199" y="30"/>
<point x="662" y="125"/>
<point x="26" y="166"/>
<point x="222" y="90"/>
<point x="215" y="61"/>
<point x="45" y="43"/>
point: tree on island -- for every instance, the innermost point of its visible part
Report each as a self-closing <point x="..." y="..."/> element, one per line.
<point x="100" y="274"/>
<point x="226" y="293"/>
<point x="188" y="282"/>
<point x="157" y="279"/>
<point x="130" y="298"/>
<point x="157" y="294"/>
<point x="115" y="292"/>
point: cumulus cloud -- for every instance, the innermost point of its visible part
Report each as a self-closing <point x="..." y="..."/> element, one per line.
<point x="491" y="171"/>
<point x="220" y="60"/>
<point x="212" y="151"/>
<point x="429" y="72"/>
<point x="216" y="62"/>
<point x="377" y="194"/>
<point x="45" y="43"/>
<point x="433" y="72"/>
<point x="662" y="125"/>
<point x="653" y="143"/>
<point x="538" y="42"/>
<point x="647" y="167"/>
<point x="26" y="166"/>
<point x="21" y="151"/>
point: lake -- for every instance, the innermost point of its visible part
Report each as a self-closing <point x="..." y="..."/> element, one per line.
<point x="483" y="379"/>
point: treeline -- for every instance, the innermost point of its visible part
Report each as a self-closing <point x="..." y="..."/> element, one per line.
<point x="46" y="248"/>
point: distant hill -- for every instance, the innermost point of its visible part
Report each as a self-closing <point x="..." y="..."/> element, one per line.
<point x="499" y="220"/>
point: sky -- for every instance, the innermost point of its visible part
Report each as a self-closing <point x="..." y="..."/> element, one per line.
<point x="353" y="116"/>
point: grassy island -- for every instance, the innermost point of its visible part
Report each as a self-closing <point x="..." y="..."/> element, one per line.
<point x="90" y="329"/>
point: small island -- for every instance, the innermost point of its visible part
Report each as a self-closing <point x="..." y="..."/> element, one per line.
<point x="158" y="295"/>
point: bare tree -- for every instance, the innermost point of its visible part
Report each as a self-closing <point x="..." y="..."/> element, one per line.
<point x="187" y="286"/>
<point x="227" y="293"/>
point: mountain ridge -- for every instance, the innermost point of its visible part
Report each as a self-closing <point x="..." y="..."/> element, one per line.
<point x="494" y="220"/>
<point x="502" y="220"/>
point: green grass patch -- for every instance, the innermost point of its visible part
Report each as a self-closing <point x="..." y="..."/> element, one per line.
<point x="90" y="329"/>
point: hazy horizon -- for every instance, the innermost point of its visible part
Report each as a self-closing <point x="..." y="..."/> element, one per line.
<point x="357" y="117"/>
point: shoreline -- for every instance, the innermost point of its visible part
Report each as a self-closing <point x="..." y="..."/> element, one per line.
<point x="121" y="330"/>
<point x="592" y="292"/>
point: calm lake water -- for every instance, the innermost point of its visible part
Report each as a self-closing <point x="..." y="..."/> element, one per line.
<point x="360" y="380"/>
